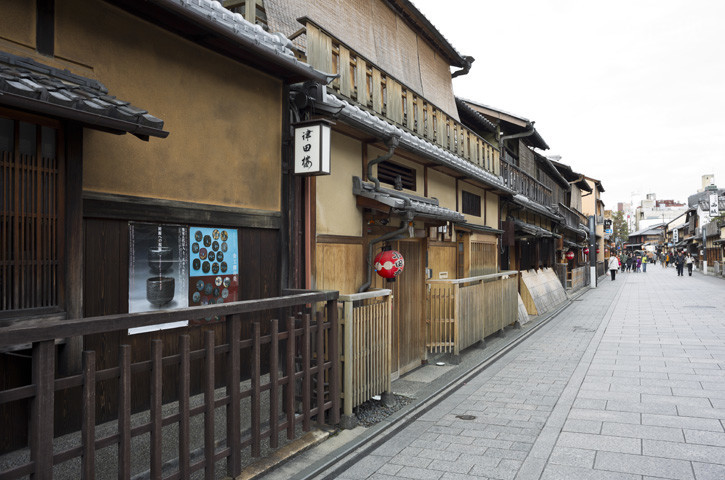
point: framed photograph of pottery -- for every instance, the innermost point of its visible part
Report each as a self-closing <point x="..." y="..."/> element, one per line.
<point x="158" y="270"/>
<point x="214" y="263"/>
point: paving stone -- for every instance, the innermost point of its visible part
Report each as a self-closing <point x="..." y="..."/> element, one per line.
<point x="693" y="423"/>
<point x="708" y="471"/>
<point x="704" y="438"/>
<point x="643" y="431"/>
<point x="575" y="457"/>
<point x="600" y="442"/>
<point x="644" y="465"/>
<point x="684" y="451"/>
<point x="566" y="472"/>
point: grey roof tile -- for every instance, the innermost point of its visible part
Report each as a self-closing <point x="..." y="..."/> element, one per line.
<point x="66" y="95"/>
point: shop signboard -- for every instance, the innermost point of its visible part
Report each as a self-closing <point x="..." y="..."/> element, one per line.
<point x="714" y="207"/>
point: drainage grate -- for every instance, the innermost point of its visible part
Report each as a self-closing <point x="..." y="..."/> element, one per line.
<point x="578" y="328"/>
<point x="466" y="417"/>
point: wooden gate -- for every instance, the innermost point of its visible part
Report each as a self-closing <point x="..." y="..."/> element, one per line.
<point x="408" y="303"/>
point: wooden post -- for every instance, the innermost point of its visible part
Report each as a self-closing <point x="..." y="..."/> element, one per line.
<point x="209" y="404"/>
<point x="335" y="358"/>
<point x="124" y="413"/>
<point x="41" y="409"/>
<point x="88" y="427"/>
<point x="234" y="332"/>
<point x="155" y="408"/>
<point x="456" y="319"/>
<point x="184" y="405"/>
<point x="348" y="358"/>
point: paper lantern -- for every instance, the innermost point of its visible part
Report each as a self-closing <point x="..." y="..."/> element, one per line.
<point x="586" y="251"/>
<point x="389" y="263"/>
<point x="597" y="249"/>
<point x="570" y="255"/>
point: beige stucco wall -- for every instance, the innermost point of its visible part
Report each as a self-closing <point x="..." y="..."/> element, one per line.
<point x="442" y="187"/>
<point x="589" y="205"/>
<point x="224" y="119"/>
<point x="337" y="211"/>
<point x="492" y="204"/>
<point x="17" y="23"/>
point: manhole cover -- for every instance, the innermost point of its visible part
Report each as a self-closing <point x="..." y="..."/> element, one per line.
<point x="466" y="417"/>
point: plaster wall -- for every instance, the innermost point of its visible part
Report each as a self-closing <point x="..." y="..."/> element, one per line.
<point x="224" y="118"/>
<point x="337" y="211"/>
<point x="442" y="187"/>
<point x="17" y="24"/>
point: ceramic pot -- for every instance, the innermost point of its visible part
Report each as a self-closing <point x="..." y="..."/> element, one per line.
<point x="160" y="290"/>
<point x="160" y="259"/>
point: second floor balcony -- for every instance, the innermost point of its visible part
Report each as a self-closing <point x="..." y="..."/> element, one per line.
<point x="521" y="182"/>
<point x="361" y="82"/>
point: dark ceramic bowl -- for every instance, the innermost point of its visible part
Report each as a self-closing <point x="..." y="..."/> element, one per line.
<point x="160" y="290"/>
<point x="160" y="259"/>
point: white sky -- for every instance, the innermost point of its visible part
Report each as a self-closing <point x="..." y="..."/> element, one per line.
<point x="630" y="92"/>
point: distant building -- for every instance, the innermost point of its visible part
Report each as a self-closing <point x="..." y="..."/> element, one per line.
<point x="652" y="212"/>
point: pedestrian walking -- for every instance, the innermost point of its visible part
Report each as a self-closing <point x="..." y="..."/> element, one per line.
<point x="645" y="259"/>
<point x="688" y="261"/>
<point x="680" y="264"/>
<point x="667" y="260"/>
<point x="629" y="263"/>
<point x="639" y="264"/>
<point x="613" y="266"/>
<point x="662" y="260"/>
<point x="623" y="261"/>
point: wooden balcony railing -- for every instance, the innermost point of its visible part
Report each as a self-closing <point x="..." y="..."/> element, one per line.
<point x="462" y="312"/>
<point x="366" y="328"/>
<point x="523" y="183"/>
<point x="292" y="379"/>
<point x="364" y="84"/>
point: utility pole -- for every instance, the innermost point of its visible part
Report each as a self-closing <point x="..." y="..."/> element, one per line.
<point x="592" y="251"/>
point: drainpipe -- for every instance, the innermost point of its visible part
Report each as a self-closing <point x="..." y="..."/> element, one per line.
<point x="388" y="236"/>
<point x="465" y="69"/>
<point x="391" y="143"/>
<point x="503" y="138"/>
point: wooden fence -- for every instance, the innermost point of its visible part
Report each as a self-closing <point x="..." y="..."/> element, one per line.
<point x="367" y="330"/>
<point x="462" y="312"/>
<point x="579" y="277"/>
<point x="299" y="383"/>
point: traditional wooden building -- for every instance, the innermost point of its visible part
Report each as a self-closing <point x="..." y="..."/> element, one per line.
<point x="406" y="173"/>
<point x="142" y="171"/>
<point x="593" y="205"/>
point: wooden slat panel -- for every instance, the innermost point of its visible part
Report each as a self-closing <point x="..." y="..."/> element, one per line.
<point x="345" y="76"/>
<point x="377" y="92"/>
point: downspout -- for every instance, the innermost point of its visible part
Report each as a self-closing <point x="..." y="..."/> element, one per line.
<point x="390" y="235"/>
<point x="466" y="68"/>
<point x="392" y="144"/>
<point x="504" y="138"/>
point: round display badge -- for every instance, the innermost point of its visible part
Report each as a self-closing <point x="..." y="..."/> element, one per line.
<point x="196" y="297"/>
<point x="205" y="267"/>
<point x="196" y="264"/>
<point x="215" y="268"/>
<point x="202" y="253"/>
<point x="195" y="248"/>
<point x="215" y="246"/>
<point x="208" y="289"/>
<point x="219" y="256"/>
<point x="225" y="293"/>
<point x="218" y="281"/>
<point x="227" y="281"/>
<point x="224" y="246"/>
<point x="224" y="267"/>
<point x="207" y="241"/>
<point x="200" y="285"/>
<point x="215" y="234"/>
<point x="198" y="236"/>
<point x="211" y="256"/>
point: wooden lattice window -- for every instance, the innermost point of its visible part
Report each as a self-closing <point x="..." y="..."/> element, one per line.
<point x="31" y="226"/>
<point x="471" y="203"/>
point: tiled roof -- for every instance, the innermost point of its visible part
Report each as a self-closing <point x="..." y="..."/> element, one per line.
<point x="27" y="84"/>
<point x="403" y="203"/>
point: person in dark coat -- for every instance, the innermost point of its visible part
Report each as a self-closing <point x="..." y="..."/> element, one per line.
<point x="680" y="264"/>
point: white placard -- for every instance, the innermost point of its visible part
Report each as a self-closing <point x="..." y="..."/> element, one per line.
<point x="714" y="207"/>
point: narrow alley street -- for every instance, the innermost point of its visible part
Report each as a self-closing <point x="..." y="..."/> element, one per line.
<point x="626" y="383"/>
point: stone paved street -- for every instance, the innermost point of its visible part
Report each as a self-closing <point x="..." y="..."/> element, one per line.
<point x="626" y="383"/>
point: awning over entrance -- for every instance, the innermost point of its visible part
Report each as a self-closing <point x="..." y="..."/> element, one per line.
<point x="534" y="230"/>
<point x="38" y="88"/>
<point x="401" y="203"/>
<point x="478" y="228"/>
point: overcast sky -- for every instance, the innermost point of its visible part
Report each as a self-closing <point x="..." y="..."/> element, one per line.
<point x="629" y="92"/>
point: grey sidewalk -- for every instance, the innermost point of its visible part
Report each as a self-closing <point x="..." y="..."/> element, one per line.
<point x="628" y="382"/>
